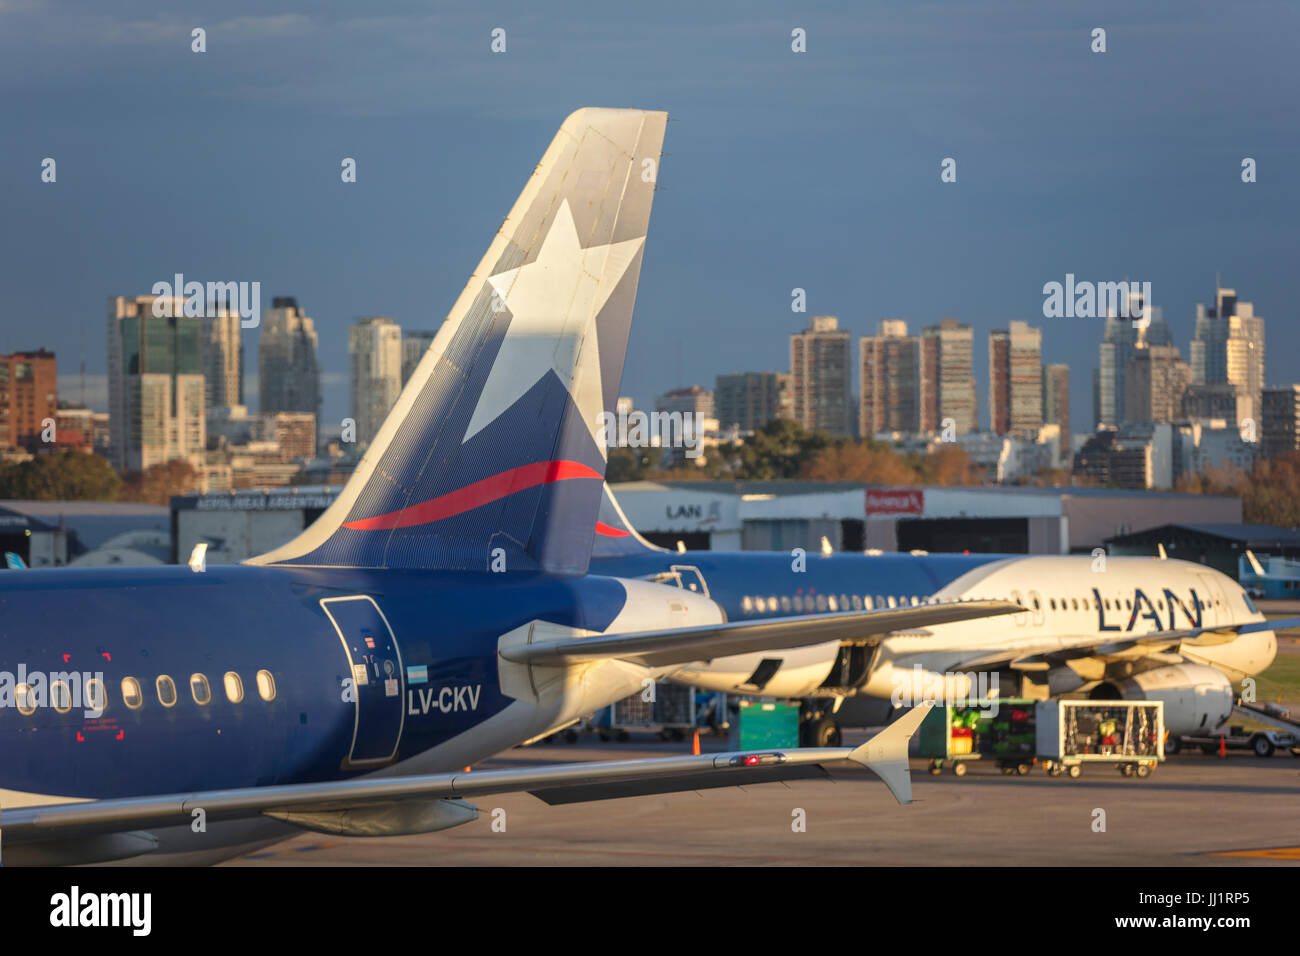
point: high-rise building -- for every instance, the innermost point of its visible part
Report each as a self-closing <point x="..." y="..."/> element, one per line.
<point x="1155" y="381"/>
<point x="1121" y="339"/>
<point x="821" y="377"/>
<point x="1056" y="400"/>
<point x="293" y="432"/>
<point x="947" y="389"/>
<point x="156" y="387"/>
<point x="695" y="400"/>
<point x="1279" y="432"/>
<point x="375" y="345"/>
<point x="223" y="359"/>
<point x="1228" y="348"/>
<point x="1220" y="400"/>
<point x="287" y="369"/>
<point x="890" y="364"/>
<point x="414" y="344"/>
<point x="1016" y="380"/>
<point x="28" y="397"/>
<point x="749" y="400"/>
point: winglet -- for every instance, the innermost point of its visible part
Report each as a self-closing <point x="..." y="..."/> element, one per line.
<point x="886" y="753"/>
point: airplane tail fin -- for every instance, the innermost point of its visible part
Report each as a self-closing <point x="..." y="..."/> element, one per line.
<point x="492" y="456"/>
<point x="615" y="536"/>
<point x="886" y="753"/>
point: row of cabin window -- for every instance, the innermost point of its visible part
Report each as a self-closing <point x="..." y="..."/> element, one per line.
<point x="824" y="602"/>
<point x="133" y="695"/>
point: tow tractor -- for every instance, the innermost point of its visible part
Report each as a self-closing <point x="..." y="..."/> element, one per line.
<point x="1264" y="743"/>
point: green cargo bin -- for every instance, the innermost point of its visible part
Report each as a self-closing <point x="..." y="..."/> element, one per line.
<point x="767" y="725"/>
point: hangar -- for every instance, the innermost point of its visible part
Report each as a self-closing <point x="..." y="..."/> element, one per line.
<point x="779" y="515"/>
<point x="1218" y="545"/>
<point x="771" y="516"/>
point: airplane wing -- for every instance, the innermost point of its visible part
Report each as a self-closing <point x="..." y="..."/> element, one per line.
<point x="389" y="805"/>
<point x="704" y="643"/>
<point x="1093" y="646"/>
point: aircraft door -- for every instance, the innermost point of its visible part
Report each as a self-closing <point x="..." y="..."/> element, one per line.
<point x="378" y="679"/>
<point x="690" y="578"/>
<point x="1036" y="605"/>
<point x="1211" y="600"/>
<point x="1023" y="602"/>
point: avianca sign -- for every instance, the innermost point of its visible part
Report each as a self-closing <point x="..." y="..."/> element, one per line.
<point x="895" y="501"/>
<point x="1144" y="607"/>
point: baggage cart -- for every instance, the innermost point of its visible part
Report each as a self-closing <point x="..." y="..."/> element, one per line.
<point x="1127" y="734"/>
<point x="1001" y="731"/>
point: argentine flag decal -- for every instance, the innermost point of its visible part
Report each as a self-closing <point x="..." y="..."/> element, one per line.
<point x="417" y="675"/>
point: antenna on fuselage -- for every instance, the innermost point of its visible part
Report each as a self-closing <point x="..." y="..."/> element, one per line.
<point x="1160" y="548"/>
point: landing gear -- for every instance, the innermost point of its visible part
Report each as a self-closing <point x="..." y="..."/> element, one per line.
<point x="822" y="732"/>
<point x="818" y="727"/>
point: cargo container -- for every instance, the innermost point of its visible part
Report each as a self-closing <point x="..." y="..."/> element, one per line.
<point x="1128" y="734"/>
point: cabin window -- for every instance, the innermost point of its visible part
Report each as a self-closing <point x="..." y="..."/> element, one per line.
<point x="868" y="602"/>
<point x="265" y="685"/>
<point x="60" y="697"/>
<point x="25" y="698"/>
<point x="200" y="690"/>
<point x="834" y="604"/>
<point x="821" y="602"/>
<point x="234" y="687"/>
<point x="747" y="604"/>
<point x="798" y="602"/>
<point x="857" y="602"/>
<point x="1128" y="604"/>
<point x="96" y="696"/>
<point x="1052" y="603"/>
<point x="1074" y="604"/>
<point x="785" y="602"/>
<point x="1036" y="605"/>
<point x="131" y="694"/>
<point x="1108" y="604"/>
<point x="166" y="690"/>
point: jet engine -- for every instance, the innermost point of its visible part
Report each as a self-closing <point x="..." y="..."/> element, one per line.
<point x="1197" y="698"/>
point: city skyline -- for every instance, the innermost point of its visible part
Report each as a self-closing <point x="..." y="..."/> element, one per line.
<point x="760" y="194"/>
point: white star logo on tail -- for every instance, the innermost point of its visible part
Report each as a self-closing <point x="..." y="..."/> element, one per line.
<point x="553" y="303"/>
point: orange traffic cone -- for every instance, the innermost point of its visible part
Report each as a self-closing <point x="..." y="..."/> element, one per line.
<point x="695" y="743"/>
<point x="1223" y="747"/>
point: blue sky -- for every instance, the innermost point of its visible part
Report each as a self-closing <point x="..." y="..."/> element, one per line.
<point x="817" y="170"/>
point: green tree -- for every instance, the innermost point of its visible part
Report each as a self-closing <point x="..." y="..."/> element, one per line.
<point x="777" y="450"/>
<point x="63" y="476"/>
<point x="157" y="483"/>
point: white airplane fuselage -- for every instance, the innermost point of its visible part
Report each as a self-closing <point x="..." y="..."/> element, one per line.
<point x="1090" y="625"/>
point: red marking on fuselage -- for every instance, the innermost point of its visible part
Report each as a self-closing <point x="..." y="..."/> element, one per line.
<point x="476" y="495"/>
<point x="610" y="532"/>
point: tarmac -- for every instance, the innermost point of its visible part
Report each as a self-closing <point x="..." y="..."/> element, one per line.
<point x="1193" y="810"/>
